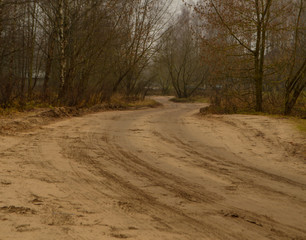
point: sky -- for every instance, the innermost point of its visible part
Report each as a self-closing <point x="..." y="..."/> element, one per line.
<point x="177" y="3"/>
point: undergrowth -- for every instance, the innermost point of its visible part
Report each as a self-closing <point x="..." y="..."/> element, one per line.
<point x="300" y="124"/>
<point x="115" y="103"/>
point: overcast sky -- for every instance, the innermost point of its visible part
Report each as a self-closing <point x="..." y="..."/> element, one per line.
<point x="176" y="4"/>
<point x="175" y="7"/>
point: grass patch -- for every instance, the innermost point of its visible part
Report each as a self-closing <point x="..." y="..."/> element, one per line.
<point x="8" y="111"/>
<point x="197" y="99"/>
<point x="300" y="124"/>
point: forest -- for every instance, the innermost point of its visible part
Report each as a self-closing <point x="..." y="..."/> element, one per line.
<point x="243" y="55"/>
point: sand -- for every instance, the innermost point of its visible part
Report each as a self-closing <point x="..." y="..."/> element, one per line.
<point x="164" y="173"/>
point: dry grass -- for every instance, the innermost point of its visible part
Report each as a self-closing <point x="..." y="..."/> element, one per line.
<point x="119" y="102"/>
<point x="143" y="104"/>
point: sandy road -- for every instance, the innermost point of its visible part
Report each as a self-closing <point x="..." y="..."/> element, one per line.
<point x="154" y="174"/>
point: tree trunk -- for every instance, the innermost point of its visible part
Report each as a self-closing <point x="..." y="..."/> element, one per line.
<point x="294" y="88"/>
<point x="295" y="84"/>
<point x="62" y="43"/>
<point x="31" y="42"/>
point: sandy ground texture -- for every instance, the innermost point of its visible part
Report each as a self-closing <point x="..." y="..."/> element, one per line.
<point x="161" y="173"/>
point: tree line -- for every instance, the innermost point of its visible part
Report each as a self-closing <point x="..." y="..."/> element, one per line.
<point x="264" y="45"/>
<point x="244" y="55"/>
<point x="72" y="52"/>
<point x="247" y="55"/>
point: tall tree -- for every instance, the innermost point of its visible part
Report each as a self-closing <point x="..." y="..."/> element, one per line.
<point x="180" y="52"/>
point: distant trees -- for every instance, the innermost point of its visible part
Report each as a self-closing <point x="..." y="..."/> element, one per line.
<point x="180" y="55"/>
<point x="143" y="25"/>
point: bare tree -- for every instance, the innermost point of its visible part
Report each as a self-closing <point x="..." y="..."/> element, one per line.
<point x="296" y="80"/>
<point x="246" y="23"/>
<point x="181" y="54"/>
<point x="143" y="26"/>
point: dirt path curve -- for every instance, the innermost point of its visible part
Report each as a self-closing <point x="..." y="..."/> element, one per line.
<point x="154" y="174"/>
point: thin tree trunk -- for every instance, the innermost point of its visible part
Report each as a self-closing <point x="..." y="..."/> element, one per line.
<point x="32" y="30"/>
<point x="62" y="43"/>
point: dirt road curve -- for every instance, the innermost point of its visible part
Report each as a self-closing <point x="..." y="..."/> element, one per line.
<point x="154" y="174"/>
